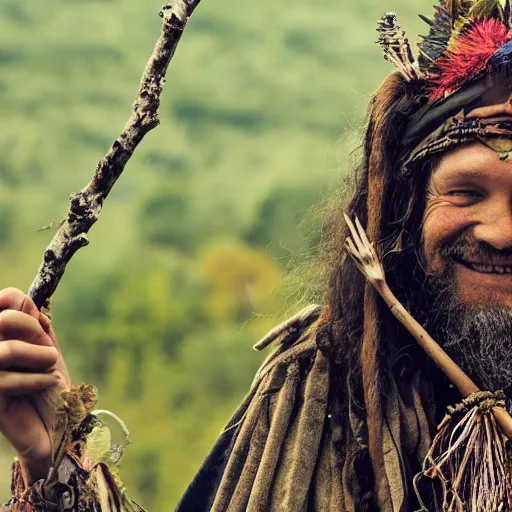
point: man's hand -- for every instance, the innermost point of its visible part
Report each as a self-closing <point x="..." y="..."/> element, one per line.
<point x="30" y="363"/>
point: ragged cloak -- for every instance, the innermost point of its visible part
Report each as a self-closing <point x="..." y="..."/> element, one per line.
<point x="297" y="444"/>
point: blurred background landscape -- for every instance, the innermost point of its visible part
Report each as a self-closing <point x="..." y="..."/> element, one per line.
<point x="205" y="242"/>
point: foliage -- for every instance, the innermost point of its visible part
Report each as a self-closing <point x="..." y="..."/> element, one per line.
<point x="180" y="278"/>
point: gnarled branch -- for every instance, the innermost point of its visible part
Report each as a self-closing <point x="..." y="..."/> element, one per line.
<point x="86" y="205"/>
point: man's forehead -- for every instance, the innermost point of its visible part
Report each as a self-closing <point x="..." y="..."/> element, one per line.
<point x="472" y="161"/>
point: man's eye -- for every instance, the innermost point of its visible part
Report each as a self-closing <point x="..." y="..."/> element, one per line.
<point x="463" y="197"/>
<point x="465" y="193"/>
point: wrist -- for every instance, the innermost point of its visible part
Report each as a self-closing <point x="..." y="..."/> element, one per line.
<point x="34" y="466"/>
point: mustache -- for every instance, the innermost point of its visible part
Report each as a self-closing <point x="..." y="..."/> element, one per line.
<point x="466" y="247"/>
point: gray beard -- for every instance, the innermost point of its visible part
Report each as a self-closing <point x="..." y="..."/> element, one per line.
<point x="477" y="337"/>
<point x="480" y="342"/>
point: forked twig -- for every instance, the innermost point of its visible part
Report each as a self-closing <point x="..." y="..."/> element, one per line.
<point x="87" y="204"/>
<point x="367" y="261"/>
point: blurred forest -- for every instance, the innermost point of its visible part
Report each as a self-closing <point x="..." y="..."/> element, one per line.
<point x="203" y="245"/>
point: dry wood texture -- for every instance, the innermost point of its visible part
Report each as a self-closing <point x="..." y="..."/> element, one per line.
<point x="86" y="205"/>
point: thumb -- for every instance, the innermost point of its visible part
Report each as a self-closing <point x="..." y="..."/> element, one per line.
<point x="29" y="307"/>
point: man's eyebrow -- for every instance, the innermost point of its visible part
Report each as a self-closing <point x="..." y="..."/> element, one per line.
<point x="466" y="172"/>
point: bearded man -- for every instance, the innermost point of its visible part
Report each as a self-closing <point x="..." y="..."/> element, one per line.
<point x="343" y="413"/>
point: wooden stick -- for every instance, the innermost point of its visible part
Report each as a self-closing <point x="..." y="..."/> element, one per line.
<point x="86" y="205"/>
<point x="365" y="257"/>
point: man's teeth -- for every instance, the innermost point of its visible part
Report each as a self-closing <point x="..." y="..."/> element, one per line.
<point x="491" y="269"/>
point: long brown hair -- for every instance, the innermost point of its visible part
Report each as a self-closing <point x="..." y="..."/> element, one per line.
<point x="368" y="343"/>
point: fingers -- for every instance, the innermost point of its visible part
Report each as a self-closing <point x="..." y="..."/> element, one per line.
<point x="353" y="233"/>
<point x="362" y="234"/>
<point x="13" y="383"/>
<point x="351" y="248"/>
<point x="358" y="243"/>
<point x="12" y="298"/>
<point x="19" y="319"/>
<point x="46" y="323"/>
<point x="21" y="326"/>
<point x="16" y="354"/>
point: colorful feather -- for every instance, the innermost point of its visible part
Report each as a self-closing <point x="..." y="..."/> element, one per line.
<point x="463" y="38"/>
<point x="468" y="55"/>
<point x="459" y="26"/>
<point x="446" y="24"/>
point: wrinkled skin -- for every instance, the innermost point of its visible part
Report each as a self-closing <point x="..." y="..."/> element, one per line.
<point x="30" y="362"/>
<point x="467" y="236"/>
<point x="470" y="196"/>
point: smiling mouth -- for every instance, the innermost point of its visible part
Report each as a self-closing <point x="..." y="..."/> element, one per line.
<point x="483" y="268"/>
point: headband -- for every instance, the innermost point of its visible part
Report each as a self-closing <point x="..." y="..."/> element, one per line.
<point x="461" y="78"/>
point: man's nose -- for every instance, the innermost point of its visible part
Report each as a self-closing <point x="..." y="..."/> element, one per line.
<point x="495" y="227"/>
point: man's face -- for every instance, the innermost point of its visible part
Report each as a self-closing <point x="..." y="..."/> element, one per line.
<point x="467" y="246"/>
<point x="467" y="229"/>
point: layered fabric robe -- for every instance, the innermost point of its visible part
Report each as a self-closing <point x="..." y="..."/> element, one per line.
<point x="293" y="447"/>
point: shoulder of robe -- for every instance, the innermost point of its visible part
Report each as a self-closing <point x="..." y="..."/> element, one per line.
<point x="265" y="457"/>
<point x="293" y="340"/>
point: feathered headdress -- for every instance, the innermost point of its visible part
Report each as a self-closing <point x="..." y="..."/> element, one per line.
<point x="463" y="63"/>
<point x="467" y="39"/>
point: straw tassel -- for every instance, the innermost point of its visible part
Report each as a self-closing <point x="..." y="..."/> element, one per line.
<point x="469" y="457"/>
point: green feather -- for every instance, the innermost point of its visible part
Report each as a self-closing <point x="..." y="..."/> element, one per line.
<point x="450" y="18"/>
<point x="458" y="28"/>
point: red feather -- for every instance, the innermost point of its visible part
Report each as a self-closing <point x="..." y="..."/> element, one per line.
<point x="468" y="56"/>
